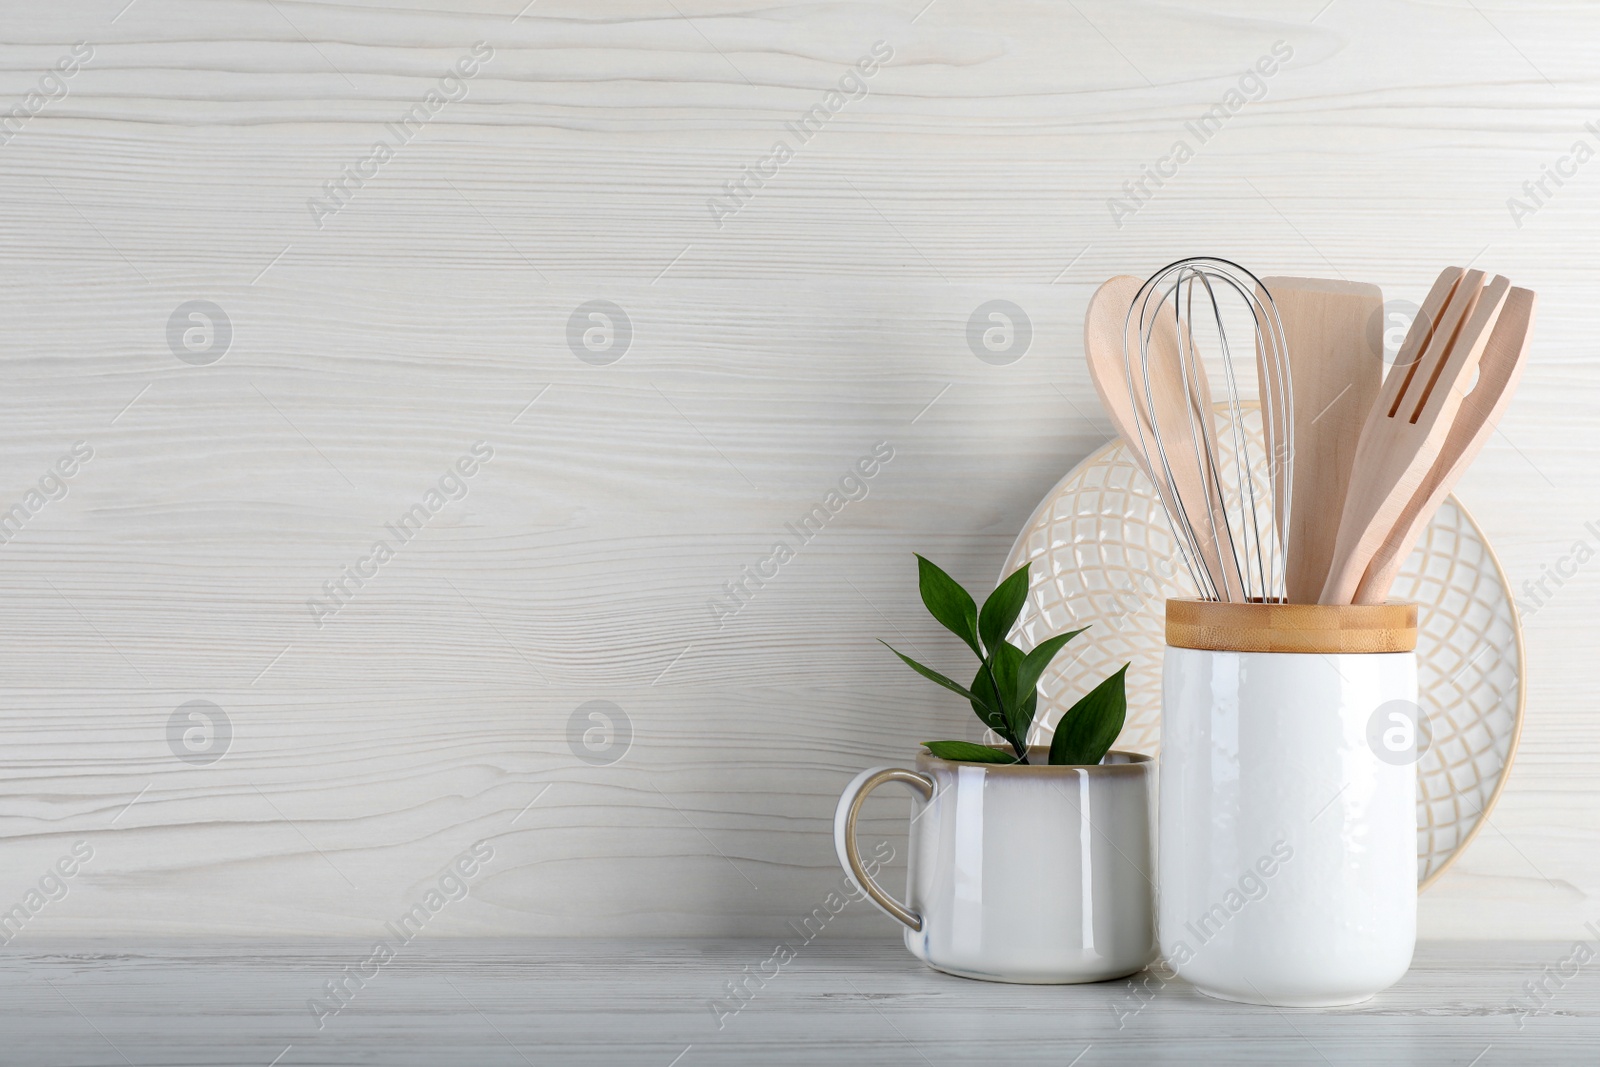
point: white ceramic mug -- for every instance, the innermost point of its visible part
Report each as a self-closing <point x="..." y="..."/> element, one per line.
<point x="1020" y="872"/>
<point x="1288" y="836"/>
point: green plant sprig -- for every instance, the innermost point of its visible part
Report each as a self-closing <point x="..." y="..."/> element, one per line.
<point x="1005" y="692"/>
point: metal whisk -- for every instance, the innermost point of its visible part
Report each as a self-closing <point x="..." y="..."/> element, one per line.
<point x="1232" y="536"/>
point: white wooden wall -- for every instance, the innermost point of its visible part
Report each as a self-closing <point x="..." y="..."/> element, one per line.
<point x="767" y="356"/>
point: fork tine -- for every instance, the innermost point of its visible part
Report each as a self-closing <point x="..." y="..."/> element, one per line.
<point x="1423" y="328"/>
<point x="1425" y="371"/>
<point x="1456" y="364"/>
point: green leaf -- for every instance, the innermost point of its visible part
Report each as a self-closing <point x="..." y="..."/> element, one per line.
<point x="997" y="721"/>
<point x="1000" y="611"/>
<point x="947" y="602"/>
<point x="967" y="752"/>
<point x="1035" y="662"/>
<point x="986" y="705"/>
<point x="1088" y="729"/>
<point x="931" y="675"/>
<point x="1010" y="718"/>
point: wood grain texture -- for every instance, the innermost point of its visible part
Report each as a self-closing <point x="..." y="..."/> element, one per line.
<point x="1407" y="426"/>
<point x="768" y="355"/>
<point x="653" y="1002"/>
<point x="1499" y="370"/>
<point x="1334" y="335"/>
<point x="1329" y="629"/>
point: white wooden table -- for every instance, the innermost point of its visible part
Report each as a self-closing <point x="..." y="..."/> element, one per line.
<point x="650" y="1003"/>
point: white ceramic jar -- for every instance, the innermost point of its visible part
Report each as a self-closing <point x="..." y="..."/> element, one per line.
<point x="1288" y="831"/>
<point x="1020" y="873"/>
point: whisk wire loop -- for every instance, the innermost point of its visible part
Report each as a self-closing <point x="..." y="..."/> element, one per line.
<point x="1230" y="537"/>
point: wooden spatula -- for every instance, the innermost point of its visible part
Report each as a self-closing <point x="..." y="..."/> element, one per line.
<point x="1334" y="333"/>
<point x="1499" y="370"/>
<point x="1407" y="426"/>
<point x="1103" y="340"/>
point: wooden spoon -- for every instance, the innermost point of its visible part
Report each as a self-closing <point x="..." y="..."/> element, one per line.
<point x="1407" y="427"/>
<point x="1499" y="370"/>
<point x="1176" y="410"/>
<point x="1334" y="334"/>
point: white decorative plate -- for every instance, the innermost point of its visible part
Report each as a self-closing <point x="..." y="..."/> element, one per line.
<point x="1103" y="554"/>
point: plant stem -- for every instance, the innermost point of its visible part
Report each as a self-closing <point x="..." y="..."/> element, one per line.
<point x="1022" y="749"/>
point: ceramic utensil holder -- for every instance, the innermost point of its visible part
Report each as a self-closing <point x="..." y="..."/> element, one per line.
<point x="1022" y="872"/>
<point x="1288" y="830"/>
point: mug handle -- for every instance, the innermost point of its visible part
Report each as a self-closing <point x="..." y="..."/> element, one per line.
<point x="844" y="834"/>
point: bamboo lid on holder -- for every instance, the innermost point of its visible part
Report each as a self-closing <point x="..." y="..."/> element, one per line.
<point x="1325" y="628"/>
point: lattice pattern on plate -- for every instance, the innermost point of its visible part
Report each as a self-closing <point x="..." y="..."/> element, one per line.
<point x="1102" y="552"/>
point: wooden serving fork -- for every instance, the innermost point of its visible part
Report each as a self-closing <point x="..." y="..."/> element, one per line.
<point x="1499" y="370"/>
<point x="1408" y="425"/>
